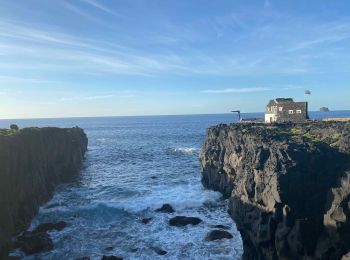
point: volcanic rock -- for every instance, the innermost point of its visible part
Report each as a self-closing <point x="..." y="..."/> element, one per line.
<point x="181" y="221"/>
<point x="166" y="208"/>
<point x="218" y="234"/>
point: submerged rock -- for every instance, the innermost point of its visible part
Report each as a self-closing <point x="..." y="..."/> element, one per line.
<point x="166" y="208"/>
<point x="222" y="227"/>
<point x="146" y="220"/>
<point x="218" y="234"/>
<point x="109" y="248"/>
<point x="181" y="221"/>
<point x="111" y="257"/>
<point x="288" y="186"/>
<point x="159" y="251"/>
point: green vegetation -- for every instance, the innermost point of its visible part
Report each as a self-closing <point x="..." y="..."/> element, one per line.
<point x="295" y="131"/>
<point x="244" y="130"/>
<point x="14" y="129"/>
<point x="313" y="138"/>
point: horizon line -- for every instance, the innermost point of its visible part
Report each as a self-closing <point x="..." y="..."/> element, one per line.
<point x="155" y="115"/>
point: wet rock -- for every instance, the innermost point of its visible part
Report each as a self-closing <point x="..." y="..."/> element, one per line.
<point x="109" y="248"/>
<point x="166" y="208"/>
<point x="181" y="221"/>
<point x="111" y="257"/>
<point x="159" y="251"/>
<point x="146" y="220"/>
<point x="154" y="177"/>
<point x="34" y="242"/>
<point x="218" y="234"/>
<point x="222" y="227"/>
<point x="51" y="226"/>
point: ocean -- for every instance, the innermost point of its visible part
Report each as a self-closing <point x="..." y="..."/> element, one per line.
<point x="133" y="166"/>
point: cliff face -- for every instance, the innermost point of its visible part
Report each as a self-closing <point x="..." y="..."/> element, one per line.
<point x="33" y="161"/>
<point x="288" y="186"/>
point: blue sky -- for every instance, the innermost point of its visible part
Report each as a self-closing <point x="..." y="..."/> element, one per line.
<point x="102" y="57"/>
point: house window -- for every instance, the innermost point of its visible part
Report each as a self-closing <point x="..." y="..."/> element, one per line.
<point x="268" y="109"/>
<point x="280" y="109"/>
<point x="298" y="111"/>
<point x="291" y="112"/>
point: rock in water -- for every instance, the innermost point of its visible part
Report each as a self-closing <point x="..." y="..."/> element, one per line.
<point x="181" y="221"/>
<point x="288" y="186"/>
<point x="166" y="208"/>
<point x="51" y="226"/>
<point x="146" y="220"/>
<point x="34" y="242"/>
<point x="159" y="251"/>
<point x="218" y="234"/>
<point x="221" y="227"/>
<point x="111" y="257"/>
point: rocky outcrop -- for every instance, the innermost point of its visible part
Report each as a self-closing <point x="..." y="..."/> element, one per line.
<point x="33" y="161"/>
<point x="288" y="186"/>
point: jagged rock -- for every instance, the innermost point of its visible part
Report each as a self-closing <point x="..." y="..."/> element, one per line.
<point x="111" y="257"/>
<point x="34" y="242"/>
<point x="33" y="161"/>
<point x="146" y="220"/>
<point x="218" y="234"/>
<point x="159" y="251"/>
<point x="181" y="221"/>
<point x="51" y="226"/>
<point x="288" y="186"/>
<point x="166" y="208"/>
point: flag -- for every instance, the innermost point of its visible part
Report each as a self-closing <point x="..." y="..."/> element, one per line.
<point x="307" y="92"/>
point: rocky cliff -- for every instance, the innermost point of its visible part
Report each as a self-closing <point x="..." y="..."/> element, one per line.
<point x="288" y="186"/>
<point x="33" y="161"/>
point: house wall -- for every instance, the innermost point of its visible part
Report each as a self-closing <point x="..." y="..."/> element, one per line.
<point x="273" y="111"/>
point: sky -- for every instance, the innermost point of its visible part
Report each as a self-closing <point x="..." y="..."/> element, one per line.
<point x="69" y="58"/>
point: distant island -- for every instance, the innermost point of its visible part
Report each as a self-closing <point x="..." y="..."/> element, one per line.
<point x="324" y="109"/>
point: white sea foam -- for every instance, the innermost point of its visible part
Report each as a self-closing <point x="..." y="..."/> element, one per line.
<point x="186" y="150"/>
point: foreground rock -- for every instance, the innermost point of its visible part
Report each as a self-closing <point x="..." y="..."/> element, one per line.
<point x="166" y="208"/>
<point x="34" y="242"/>
<point x="38" y="240"/>
<point x="288" y="184"/>
<point x="181" y="221"/>
<point x="217" y="235"/>
<point x="33" y="161"/>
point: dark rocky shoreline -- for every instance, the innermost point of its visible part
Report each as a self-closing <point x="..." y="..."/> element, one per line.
<point x="288" y="184"/>
<point x="33" y="161"/>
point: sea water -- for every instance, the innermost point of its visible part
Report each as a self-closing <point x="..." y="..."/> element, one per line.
<point x="134" y="165"/>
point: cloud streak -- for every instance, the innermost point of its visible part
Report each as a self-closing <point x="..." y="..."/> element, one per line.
<point x="234" y="90"/>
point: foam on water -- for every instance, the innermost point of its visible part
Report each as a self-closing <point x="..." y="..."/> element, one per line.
<point x="186" y="150"/>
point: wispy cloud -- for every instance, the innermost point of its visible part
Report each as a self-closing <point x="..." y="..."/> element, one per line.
<point x="234" y="90"/>
<point x="99" y="6"/>
<point x="63" y="99"/>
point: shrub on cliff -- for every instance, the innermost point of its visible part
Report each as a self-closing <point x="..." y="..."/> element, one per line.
<point x="14" y="127"/>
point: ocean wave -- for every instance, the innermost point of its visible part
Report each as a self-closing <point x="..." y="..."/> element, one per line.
<point x="186" y="150"/>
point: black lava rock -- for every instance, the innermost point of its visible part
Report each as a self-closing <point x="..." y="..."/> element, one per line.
<point x="218" y="234"/>
<point x="166" y="208"/>
<point x="181" y="221"/>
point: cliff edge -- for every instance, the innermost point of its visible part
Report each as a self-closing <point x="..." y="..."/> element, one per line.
<point x="288" y="186"/>
<point x="33" y="161"/>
